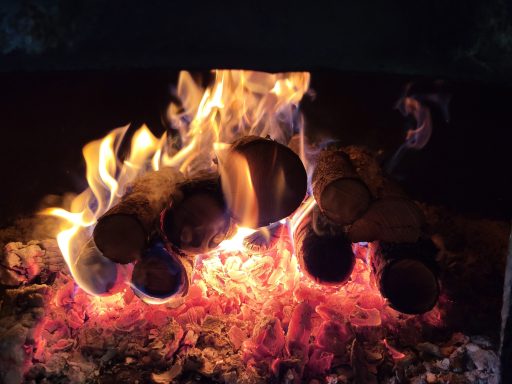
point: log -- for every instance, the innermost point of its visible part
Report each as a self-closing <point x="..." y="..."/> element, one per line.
<point x="371" y="173"/>
<point x="393" y="219"/>
<point x="406" y="274"/>
<point x="277" y="184"/>
<point x="123" y="231"/>
<point x="161" y="272"/>
<point x="196" y="220"/>
<point x="326" y="259"/>
<point x="338" y="190"/>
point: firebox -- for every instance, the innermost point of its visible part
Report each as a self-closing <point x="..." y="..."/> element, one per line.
<point x="274" y="224"/>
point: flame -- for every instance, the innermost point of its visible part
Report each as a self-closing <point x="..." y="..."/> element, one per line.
<point x="239" y="190"/>
<point x="237" y="103"/>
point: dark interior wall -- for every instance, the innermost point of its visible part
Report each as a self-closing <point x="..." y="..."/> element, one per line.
<point x="468" y="39"/>
<point x="46" y="118"/>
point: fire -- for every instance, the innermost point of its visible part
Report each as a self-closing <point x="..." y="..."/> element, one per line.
<point x="236" y="104"/>
<point x="272" y="312"/>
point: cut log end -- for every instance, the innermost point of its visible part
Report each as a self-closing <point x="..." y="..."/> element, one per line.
<point x="326" y="259"/>
<point x="196" y="220"/>
<point x="341" y="195"/>
<point x="344" y="200"/>
<point x="121" y="238"/>
<point x="123" y="231"/>
<point x="158" y="273"/>
<point x="407" y="275"/>
<point x="410" y="286"/>
<point x="278" y="178"/>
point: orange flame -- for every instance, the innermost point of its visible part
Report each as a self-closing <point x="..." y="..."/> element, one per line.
<point x="237" y="103"/>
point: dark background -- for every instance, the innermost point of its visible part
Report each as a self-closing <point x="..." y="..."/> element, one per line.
<point x="72" y="71"/>
<point x="46" y="118"/>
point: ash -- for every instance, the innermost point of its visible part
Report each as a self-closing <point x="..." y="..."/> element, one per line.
<point x="253" y="318"/>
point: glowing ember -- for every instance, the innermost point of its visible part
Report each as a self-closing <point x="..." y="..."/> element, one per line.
<point x="273" y="316"/>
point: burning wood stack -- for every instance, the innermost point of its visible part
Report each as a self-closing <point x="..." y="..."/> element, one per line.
<point x="251" y="271"/>
<point x="164" y="221"/>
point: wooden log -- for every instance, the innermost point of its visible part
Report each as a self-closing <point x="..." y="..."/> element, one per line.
<point x="326" y="259"/>
<point x="162" y="272"/>
<point x="371" y="173"/>
<point x="338" y="190"/>
<point x="406" y="274"/>
<point x="196" y="220"/>
<point x="393" y="219"/>
<point x="123" y="231"/>
<point x="277" y="177"/>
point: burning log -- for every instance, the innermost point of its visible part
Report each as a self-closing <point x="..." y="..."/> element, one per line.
<point x="407" y="275"/>
<point x="122" y="232"/>
<point x="196" y="220"/>
<point x="392" y="219"/>
<point x="339" y="192"/>
<point x="328" y="258"/>
<point x="263" y="181"/>
<point x="161" y="273"/>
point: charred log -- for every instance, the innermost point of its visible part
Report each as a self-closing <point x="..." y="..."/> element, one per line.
<point x="122" y="232"/>
<point x="161" y="272"/>
<point x="407" y="275"/>
<point x="327" y="259"/>
<point x="196" y="220"/>
<point x="339" y="192"/>
<point x="277" y="175"/>
<point x="392" y="219"/>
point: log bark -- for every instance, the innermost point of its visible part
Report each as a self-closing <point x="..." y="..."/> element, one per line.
<point x="407" y="274"/>
<point x="393" y="219"/>
<point x="122" y="232"/>
<point x="371" y="173"/>
<point x="277" y="175"/>
<point x="327" y="259"/>
<point x="197" y="219"/>
<point x="339" y="192"/>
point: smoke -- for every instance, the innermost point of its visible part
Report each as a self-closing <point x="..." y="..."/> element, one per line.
<point x="418" y="106"/>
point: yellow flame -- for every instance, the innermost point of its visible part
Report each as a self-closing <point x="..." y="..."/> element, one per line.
<point x="239" y="190"/>
<point x="237" y="103"/>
